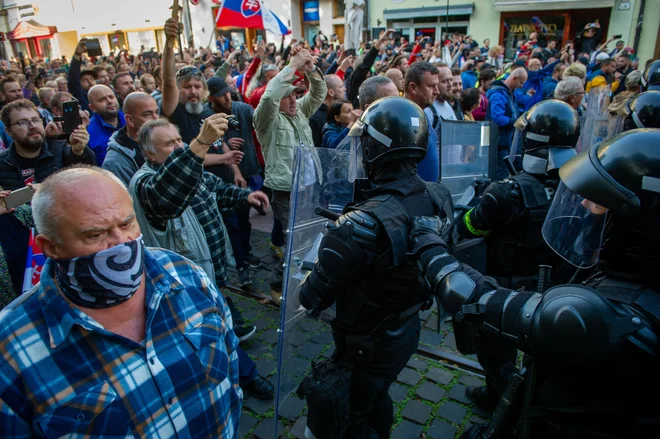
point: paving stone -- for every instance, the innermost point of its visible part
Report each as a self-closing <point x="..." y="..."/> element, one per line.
<point x="441" y="430"/>
<point x="439" y="376"/>
<point x="432" y="322"/>
<point x="272" y="314"/>
<point x="430" y="392"/>
<point x="328" y="352"/>
<point x="310" y="350"/>
<point x="407" y="430"/>
<point x="452" y="411"/>
<point x="245" y="424"/>
<point x="296" y="338"/>
<point x="255" y="348"/>
<point x="309" y="325"/>
<point x="269" y="336"/>
<point x="417" y="411"/>
<point x="298" y="429"/>
<point x="323" y="337"/>
<point x="418" y="364"/>
<point x="477" y="420"/>
<point x="471" y="380"/>
<point x="458" y="393"/>
<point x="292" y="408"/>
<point x="258" y="406"/>
<point x="450" y="341"/>
<point x="266" y="367"/>
<point x="266" y="429"/>
<point x="430" y="338"/>
<point x="409" y="376"/>
<point x="398" y="392"/>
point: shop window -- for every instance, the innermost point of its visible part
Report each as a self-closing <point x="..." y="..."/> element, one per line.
<point x="518" y="29"/>
<point x="338" y="8"/>
<point x="117" y="41"/>
<point x="46" y="48"/>
<point x="141" y="41"/>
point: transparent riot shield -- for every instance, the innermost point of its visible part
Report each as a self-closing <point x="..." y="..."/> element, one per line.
<point x="303" y="336"/>
<point x="596" y="126"/>
<point x="468" y="150"/>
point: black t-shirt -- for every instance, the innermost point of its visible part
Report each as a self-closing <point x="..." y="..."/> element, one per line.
<point x="124" y="140"/>
<point x="189" y="124"/>
<point x="27" y="168"/>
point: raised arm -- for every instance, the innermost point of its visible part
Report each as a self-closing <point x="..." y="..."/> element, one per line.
<point x="170" y="98"/>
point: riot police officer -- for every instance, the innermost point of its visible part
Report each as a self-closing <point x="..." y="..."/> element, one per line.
<point x="363" y="263"/>
<point x="643" y="111"/>
<point x="651" y="76"/>
<point x="510" y="216"/>
<point x="592" y="369"/>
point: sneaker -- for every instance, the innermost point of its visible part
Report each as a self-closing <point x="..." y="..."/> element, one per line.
<point x="254" y="261"/>
<point x="244" y="277"/>
<point x="244" y="332"/>
<point x="279" y="251"/>
<point x="482" y="397"/>
<point x="259" y="388"/>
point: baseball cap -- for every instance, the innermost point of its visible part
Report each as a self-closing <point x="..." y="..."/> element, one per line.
<point x="217" y="86"/>
<point x="601" y="56"/>
<point x="89" y="72"/>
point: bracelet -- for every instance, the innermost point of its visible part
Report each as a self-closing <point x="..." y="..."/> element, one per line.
<point x="203" y="143"/>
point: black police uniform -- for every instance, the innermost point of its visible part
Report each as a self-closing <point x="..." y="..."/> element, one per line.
<point x="363" y="265"/>
<point x="510" y="216"/>
<point x="594" y="349"/>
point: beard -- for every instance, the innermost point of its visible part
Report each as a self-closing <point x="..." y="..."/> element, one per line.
<point x="194" y="107"/>
<point x="31" y="143"/>
<point x="108" y="114"/>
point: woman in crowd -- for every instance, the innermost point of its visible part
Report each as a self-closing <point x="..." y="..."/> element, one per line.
<point x="341" y="117"/>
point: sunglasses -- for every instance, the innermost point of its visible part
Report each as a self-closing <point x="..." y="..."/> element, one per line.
<point x="188" y="71"/>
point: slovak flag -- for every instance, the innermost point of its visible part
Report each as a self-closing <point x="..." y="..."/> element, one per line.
<point x="250" y="14"/>
<point x="33" y="265"/>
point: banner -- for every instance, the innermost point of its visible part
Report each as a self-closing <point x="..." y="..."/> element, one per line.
<point x="33" y="265"/>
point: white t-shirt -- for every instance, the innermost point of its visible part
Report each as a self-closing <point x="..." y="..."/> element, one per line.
<point x="443" y="109"/>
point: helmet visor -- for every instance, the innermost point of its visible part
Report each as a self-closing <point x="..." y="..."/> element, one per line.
<point x="574" y="228"/>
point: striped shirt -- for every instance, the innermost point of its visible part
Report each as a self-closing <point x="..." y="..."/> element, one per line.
<point x="63" y="374"/>
<point x="181" y="182"/>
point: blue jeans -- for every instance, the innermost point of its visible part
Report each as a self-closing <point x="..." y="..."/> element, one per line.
<point x="239" y="229"/>
<point x="247" y="370"/>
<point x="502" y="170"/>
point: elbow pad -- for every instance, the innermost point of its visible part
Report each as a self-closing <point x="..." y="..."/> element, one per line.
<point x="444" y="275"/>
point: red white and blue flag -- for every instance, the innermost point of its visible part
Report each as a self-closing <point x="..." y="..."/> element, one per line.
<point x="249" y="14"/>
<point x="35" y="262"/>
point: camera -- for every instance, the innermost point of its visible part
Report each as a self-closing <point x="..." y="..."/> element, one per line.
<point x="233" y="123"/>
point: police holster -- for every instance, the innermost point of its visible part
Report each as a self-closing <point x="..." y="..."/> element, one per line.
<point x="327" y="390"/>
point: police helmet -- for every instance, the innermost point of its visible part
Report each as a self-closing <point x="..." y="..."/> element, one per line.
<point x="643" y="111"/>
<point x="651" y="76"/>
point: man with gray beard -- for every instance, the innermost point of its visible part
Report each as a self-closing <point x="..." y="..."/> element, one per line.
<point x="184" y="92"/>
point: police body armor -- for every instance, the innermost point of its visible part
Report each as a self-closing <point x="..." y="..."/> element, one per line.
<point x="515" y="253"/>
<point x="393" y="289"/>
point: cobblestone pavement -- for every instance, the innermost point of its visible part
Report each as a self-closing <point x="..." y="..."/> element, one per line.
<point x="429" y="396"/>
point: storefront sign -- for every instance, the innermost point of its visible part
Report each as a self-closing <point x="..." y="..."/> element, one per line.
<point x="540" y="27"/>
<point x="311" y="11"/>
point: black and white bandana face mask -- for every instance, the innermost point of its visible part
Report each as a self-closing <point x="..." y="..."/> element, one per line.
<point x="104" y="279"/>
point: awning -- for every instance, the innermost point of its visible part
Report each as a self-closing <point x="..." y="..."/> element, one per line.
<point x="429" y="11"/>
<point x="31" y="29"/>
<point x="544" y="5"/>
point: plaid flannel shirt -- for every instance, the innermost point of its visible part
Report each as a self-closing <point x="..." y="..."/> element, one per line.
<point x="181" y="182"/>
<point x="63" y="374"/>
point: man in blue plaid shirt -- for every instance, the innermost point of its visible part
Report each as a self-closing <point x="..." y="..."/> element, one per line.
<point x="117" y="340"/>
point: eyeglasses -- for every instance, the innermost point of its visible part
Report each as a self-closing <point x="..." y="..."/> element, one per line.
<point x="26" y="123"/>
<point x="188" y="71"/>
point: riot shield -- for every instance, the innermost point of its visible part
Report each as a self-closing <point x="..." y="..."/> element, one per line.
<point x="596" y="126"/>
<point x="304" y="337"/>
<point x="468" y="150"/>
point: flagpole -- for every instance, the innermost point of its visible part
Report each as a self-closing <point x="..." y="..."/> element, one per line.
<point x="175" y="15"/>
<point x="215" y="23"/>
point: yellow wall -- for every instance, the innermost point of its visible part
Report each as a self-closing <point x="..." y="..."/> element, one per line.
<point x="66" y="43"/>
<point x="623" y="22"/>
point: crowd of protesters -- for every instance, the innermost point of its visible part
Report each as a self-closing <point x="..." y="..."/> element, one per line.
<point x="158" y="126"/>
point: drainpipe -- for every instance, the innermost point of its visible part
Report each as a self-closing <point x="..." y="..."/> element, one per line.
<point x="638" y="28"/>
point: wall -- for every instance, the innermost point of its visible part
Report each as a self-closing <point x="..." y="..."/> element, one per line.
<point x="325" y="17"/>
<point x="64" y="44"/>
<point x="484" y="22"/>
<point x="203" y="24"/>
<point x="650" y="29"/>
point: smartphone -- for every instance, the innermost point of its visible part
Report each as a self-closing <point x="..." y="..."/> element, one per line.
<point x="93" y="47"/>
<point x="350" y="52"/>
<point x="59" y="71"/>
<point x="258" y="38"/>
<point x="71" y="116"/>
<point x="19" y="197"/>
<point x="147" y="55"/>
<point x="617" y="37"/>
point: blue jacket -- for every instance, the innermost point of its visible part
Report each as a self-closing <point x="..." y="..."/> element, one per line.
<point x="535" y="80"/>
<point x="333" y="134"/>
<point x="503" y="110"/>
<point x="549" y="87"/>
<point x="429" y="167"/>
<point x="469" y="78"/>
<point x="99" y="135"/>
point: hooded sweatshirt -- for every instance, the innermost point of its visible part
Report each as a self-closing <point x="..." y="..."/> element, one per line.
<point x="124" y="156"/>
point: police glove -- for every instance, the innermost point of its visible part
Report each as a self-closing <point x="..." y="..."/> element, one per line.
<point x="426" y="232"/>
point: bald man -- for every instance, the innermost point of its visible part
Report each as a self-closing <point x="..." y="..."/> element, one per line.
<point x="124" y="156"/>
<point x="336" y="92"/>
<point x="397" y="78"/>
<point x="106" y="120"/>
<point x="139" y="340"/>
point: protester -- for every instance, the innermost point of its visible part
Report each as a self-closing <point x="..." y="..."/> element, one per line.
<point x="79" y="83"/>
<point x="45" y="94"/>
<point x="281" y="124"/>
<point x="375" y="88"/>
<point x="421" y="87"/>
<point x="158" y="303"/>
<point x="102" y="76"/>
<point x="123" y="84"/>
<point x="397" y="77"/>
<point x="363" y="68"/>
<point x="571" y="91"/>
<point x="551" y="82"/>
<point x="336" y="92"/>
<point x="504" y="111"/>
<point x="603" y="76"/>
<point x="469" y="102"/>
<point x="236" y="144"/>
<point x="486" y="78"/>
<point x="148" y="83"/>
<point x="456" y="90"/>
<point x="11" y="90"/>
<point x="157" y="94"/>
<point x="633" y="86"/>
<point x="577" y="70"/>
<point x="107" y="119"/>
<point x="589" y="38"/>
<point x="124" y="156"/>
<point x="340" y="118"/>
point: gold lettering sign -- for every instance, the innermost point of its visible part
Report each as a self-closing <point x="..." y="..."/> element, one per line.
<point x="544" y="28"/>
